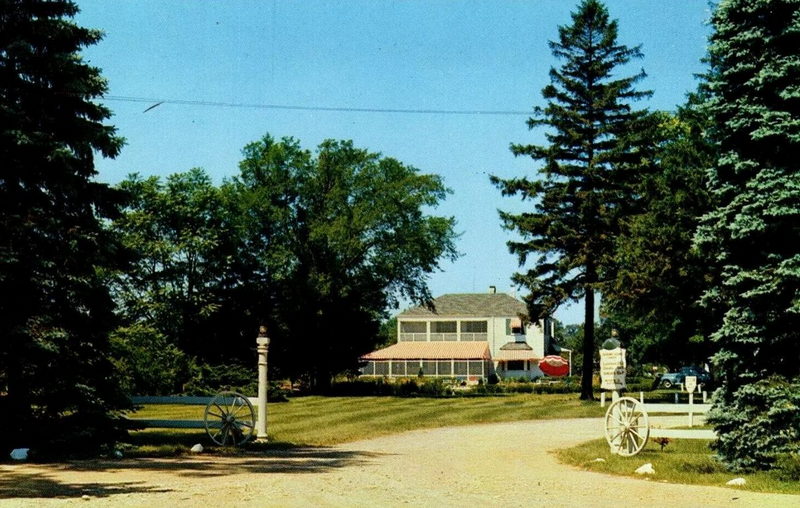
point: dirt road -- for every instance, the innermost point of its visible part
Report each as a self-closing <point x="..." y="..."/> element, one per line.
<point x="486" y="465"/>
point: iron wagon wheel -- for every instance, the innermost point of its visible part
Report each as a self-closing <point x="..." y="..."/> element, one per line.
<point x="230" y="419"/>
<point x="627" y="426"/>
<point x="666" y="384"/>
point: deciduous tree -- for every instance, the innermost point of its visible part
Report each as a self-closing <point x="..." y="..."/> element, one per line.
<point x="346" y="234"/>
<point x="660" y="274"/>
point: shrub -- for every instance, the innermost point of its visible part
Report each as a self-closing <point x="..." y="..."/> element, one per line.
<point x="787" y="467"/>
<point x="758" y="424"/>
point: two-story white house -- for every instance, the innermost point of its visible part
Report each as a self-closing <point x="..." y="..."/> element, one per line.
<point x="465" y="336"/>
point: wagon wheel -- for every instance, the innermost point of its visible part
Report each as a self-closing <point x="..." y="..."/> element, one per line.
<point x="627" y="427"/>
<point x="230" y="419"/>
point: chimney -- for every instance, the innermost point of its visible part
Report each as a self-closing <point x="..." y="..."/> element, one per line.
<point x="492" y="290"/>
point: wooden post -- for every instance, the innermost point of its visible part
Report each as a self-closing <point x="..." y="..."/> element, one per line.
<point x="602" y="399"/>
<point x="262" y="344"/>
<point x="691" y="409"/>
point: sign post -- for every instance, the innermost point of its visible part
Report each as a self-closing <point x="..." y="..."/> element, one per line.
<point x="612" y="370"/>
<point x="262" y="343"/>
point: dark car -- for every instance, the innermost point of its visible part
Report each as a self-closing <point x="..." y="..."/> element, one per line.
<point x="671" y="379"/>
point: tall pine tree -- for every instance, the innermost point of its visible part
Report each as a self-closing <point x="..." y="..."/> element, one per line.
<point x="753" y="235"/>
<point x="589" y="157"/>
<point x="55" y="311"/>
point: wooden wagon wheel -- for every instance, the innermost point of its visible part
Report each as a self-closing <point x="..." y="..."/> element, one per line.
<point x="627" y="427"/>
<point x="230" y="419"/>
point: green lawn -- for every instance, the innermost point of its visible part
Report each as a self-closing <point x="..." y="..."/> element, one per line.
<point x="686" y="461"/>
<point x="321" y="421"/>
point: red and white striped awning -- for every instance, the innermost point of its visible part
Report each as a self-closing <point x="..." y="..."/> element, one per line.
<point x="432" y="351"/>
<point x="510" y="355"/>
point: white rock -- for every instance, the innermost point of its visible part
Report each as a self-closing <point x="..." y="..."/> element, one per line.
<point x="85" y="497"/>
<point x="198" y="448"/>
<point x="737" y="481"/>
<point x="19" y="453"/>
<point x="117" y="454"/>
<point x="598" y="459"/>
<point x="646" y="469"/>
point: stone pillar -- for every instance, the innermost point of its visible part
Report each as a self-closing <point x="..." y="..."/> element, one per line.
<point x="262" y="344"/>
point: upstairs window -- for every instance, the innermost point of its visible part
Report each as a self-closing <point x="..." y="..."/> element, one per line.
<point x="444" y="327"/>
<point x="473" y="327"/>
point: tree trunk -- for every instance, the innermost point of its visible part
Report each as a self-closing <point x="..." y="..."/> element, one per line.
<point x="588" y="345"/>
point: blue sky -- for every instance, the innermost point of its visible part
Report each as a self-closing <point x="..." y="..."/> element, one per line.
<point x="403" y="55"/>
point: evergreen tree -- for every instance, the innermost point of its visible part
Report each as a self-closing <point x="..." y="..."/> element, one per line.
<point x="55" y="311"/>
<point x="753" y="234"/>
<point x="587" y="164"/>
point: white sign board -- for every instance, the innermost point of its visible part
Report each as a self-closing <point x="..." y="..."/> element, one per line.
<point x="691" y="383"/>
<point x="612" y="369"/>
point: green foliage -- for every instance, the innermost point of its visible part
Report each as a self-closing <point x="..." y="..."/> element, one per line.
<point x="660" y="274"/>
<point x="315" y="246"/>
<point x="186" y="243"/>
<point x="344" y="235"/>
<point x="147" y="362"/>
<point x="420" y="387"/>
<point x="758" y="424"/>
<point x="55" y="310"/>
<point x="751" y="235"/>
<point x="592" y="155"/>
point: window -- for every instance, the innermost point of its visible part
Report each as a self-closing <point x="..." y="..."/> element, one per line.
<point x="429" y="368"/>
<point x="476" y="368"/>
<point x="474" y="330"/>
<point x="368" y="369"/>
<point x="413" y="327"/>
<point x="444" y="327"/>
<point x="445" y="367"/>
<point x="514" y="327"/>
<point x="473" y="327"/>
<point x="515" y="365"/>
<point x="460" y="368"/>
<point x="413" y="330"/>
<point x="381" y="368"/>
<point x="444" y="330"/>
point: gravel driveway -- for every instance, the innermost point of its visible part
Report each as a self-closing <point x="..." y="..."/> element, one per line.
<point x="484" y="465"/>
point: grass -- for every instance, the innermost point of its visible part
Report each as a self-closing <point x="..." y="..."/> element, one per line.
<point x="685" y="461"/>
<point x="324" y="421"/>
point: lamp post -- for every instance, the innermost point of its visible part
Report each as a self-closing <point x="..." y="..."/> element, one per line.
<point x="262" y="344"/>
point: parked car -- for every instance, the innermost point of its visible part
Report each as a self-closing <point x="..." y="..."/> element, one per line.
<point x="671" y="379"/>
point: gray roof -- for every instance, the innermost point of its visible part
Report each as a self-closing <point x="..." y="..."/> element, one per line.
<point x="470" y="304"/>
<point x="516" y="346"/>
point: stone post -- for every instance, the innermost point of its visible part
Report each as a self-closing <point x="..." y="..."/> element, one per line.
<point x="262" y="344"/>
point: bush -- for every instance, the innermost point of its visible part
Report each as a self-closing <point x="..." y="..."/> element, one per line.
<point x="757" y="424"/>
<point x="147" y="363"/>
<point x="787" y="467"/>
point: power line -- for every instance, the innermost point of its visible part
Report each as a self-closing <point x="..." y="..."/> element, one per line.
<point x="121" y="98"/>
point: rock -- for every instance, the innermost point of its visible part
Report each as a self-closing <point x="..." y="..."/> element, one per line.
<point x="198" y="448"/>
<point x="646" y="469"/>
<point x="117" y="454"/>
<point x="85" y="497"/>
<point x="598" y="459"/>
<point x="19" y="453"/>
<point x="737" y="481"/>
